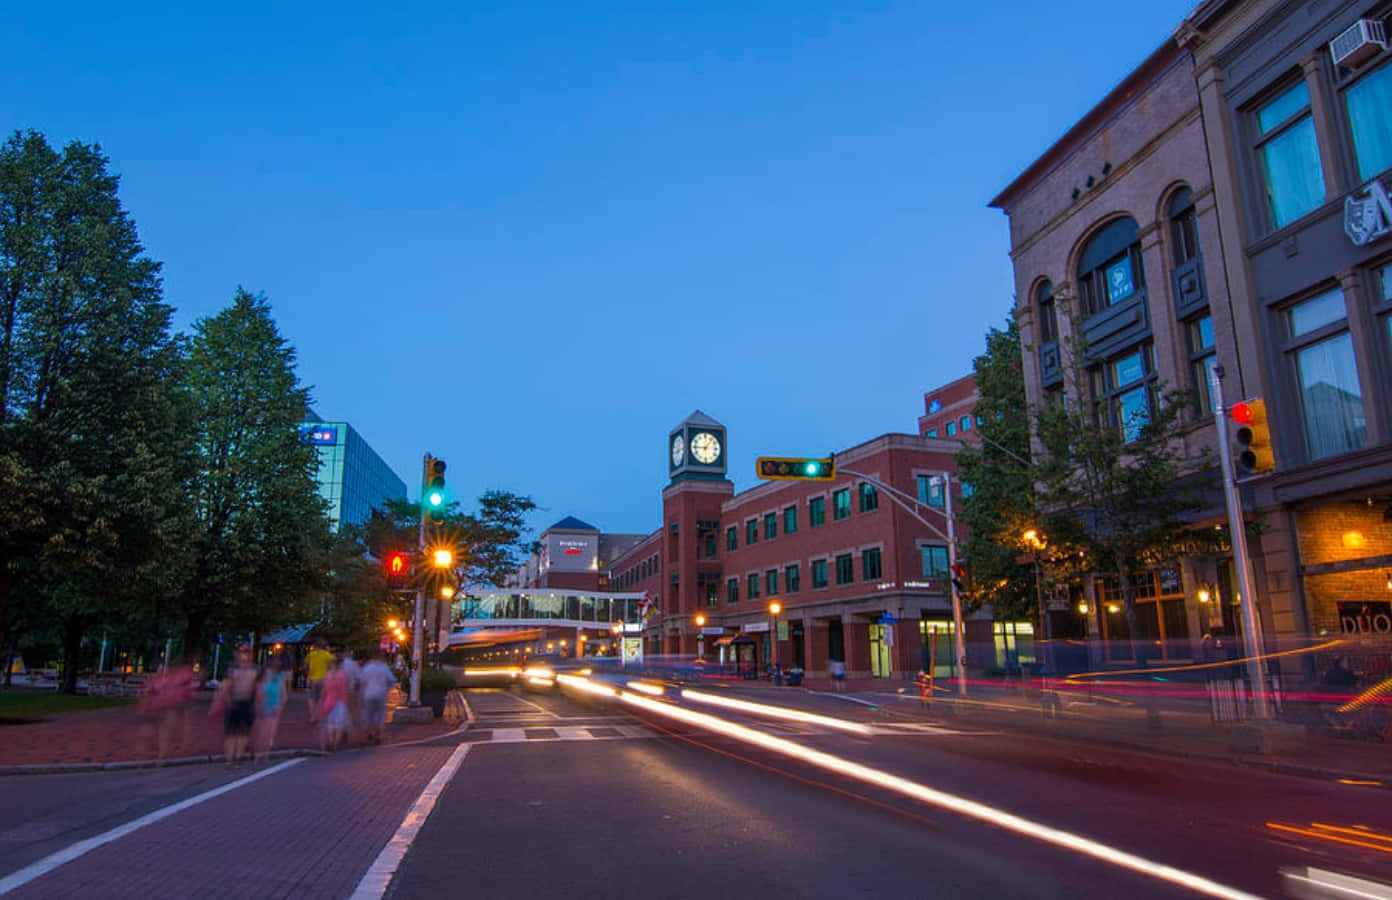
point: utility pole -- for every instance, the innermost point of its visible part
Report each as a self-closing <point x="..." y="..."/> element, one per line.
<point x="1251" y="625"/>
<point x="961" y="646"/>
<point x="417" y="623"/>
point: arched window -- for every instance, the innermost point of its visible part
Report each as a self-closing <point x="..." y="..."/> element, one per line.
<point x="1184" y="226"/>
<point x="1048" y="316"/>
<point x="1110" y="269"/>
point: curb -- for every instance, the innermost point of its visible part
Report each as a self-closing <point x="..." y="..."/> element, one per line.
<point x="126" y="765"/>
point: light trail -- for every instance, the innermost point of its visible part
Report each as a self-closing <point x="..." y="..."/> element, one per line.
<point x="961" y="805"/>
<point x="776" y="712"/>
<point x="652" y="690"/>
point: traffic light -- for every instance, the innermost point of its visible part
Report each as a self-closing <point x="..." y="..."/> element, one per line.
<point x="779" y="468"/>
<point x="958" y="573"/>
<point x="398" y="566"/>
<point x="433" y="497"/>
<point x="1253" y="437"/>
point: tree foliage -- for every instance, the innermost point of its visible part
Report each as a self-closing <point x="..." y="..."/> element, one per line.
<point x="259" y="537"/>
<point x="91" y="453"/>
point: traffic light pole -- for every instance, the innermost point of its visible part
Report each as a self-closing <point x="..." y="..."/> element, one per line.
<point x="1251" y="625"/>
<point x="899" y="497"/>
<point x="418" y="626"/>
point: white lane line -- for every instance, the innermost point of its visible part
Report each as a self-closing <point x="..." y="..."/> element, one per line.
<point x="379" y="875"/>
<point x="536" y="706"/>
<point x="70" y="853"/>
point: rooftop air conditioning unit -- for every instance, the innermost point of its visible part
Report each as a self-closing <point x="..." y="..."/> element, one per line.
<point x="1358" y="43"/>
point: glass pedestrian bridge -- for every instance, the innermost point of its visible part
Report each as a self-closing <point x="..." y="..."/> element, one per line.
<point x="530" y="608"/>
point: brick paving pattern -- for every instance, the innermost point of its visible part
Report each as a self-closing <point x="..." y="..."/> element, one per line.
<point x="309" y="831"/>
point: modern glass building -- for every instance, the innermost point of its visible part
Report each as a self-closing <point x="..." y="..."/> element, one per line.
<point x="352" y="477"/>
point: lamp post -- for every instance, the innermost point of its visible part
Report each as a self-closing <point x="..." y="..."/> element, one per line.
<point x="700" y="621"/>
<point x="1035" y="541"/>
<point x="774" y="609"/>
<point x="616" y="629"/>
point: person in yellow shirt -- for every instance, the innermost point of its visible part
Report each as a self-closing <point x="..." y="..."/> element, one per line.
<point x="317" y="666"/>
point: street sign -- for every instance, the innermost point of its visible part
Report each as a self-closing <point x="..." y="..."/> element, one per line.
<point x="888" y="619"/>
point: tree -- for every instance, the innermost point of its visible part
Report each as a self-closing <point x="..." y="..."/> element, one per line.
<point x="1118" y="492"/>
<point x="1001" y="505"/>
<point x="259" y="536"/>
<point x="90" y="445"/>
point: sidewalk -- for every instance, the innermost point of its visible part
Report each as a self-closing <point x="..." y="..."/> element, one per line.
<point x="1185" y="731"/>
<point x="87" y="740"/>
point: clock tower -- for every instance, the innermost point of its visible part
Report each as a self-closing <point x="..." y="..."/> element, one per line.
<point x="696" y="448"/>
<point x="691" y="507"/>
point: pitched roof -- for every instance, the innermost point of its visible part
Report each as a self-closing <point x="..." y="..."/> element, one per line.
<point x="570" y="523"/>
<point x="699" y="418"/>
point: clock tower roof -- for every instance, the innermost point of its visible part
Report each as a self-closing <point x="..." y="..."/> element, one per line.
<point x="699" y="418"/>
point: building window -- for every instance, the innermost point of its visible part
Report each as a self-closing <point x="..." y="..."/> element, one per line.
<point x="732" y="590"/>
<point x="870" y="564"/>
<point x="1326" y="374"/>
<point x="751" y="532"/>
<point x="1123" y="391"/>
<point x="934" y="561"/>
<point x="1184" y="227"/>
<point x="1387" y="298"/>
<point x="844" y="567"/>
<point x="753" y="586"/>
<point x="869" y="498"/>
<point x="770" y="526"/>
<point x="710" y="545"/>
<point x="731" y="538"/>
<point x="792" y="579"/>
<point x="932" y="432"/>
<point x="1369" y="104"/>
<point x="1048" y="313"/>
<point x="841" y="504"/>
<point x="1290" y="155"/>
<point x="1110" y="269"/>
<point x="1201" y="350"/>
<point x="816" y="511"/>
<point x="965" y="424"/>
<point x="819" y="573"/>
<point x="930" y="491"/>
<point x="712" y="591"/>
<point x="771" y="581"/>
<point x="951" y="428"/>
<point x="790" y="520"/>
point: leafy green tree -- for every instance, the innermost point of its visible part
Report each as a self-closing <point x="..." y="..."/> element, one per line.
<point x="91" y="453"/>
<point x="1118" y="496"/>
<point x="1001" y="504"/>
<point x="259" y="537"/>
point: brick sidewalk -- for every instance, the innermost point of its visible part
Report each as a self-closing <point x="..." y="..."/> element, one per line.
<point x="120" y="734"/>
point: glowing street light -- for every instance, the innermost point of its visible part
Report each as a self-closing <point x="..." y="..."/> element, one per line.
<point x="446" y="592"/>
<point x="443" y="558"/>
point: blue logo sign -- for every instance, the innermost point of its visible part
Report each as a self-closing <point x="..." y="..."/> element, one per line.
<point x="934" y="406"/>
<point x="319" y="434"/>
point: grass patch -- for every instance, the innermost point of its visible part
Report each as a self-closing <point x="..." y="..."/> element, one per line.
<point x="29" y="704"/>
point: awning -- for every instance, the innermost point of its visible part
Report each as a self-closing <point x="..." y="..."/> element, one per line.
<point x="729" y="639"/>
<point x="292" y="634"/>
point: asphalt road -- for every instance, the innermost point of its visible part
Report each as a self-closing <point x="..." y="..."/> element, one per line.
<point x="564" y="796"/>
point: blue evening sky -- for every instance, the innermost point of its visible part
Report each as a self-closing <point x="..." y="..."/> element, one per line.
<point x="531" y="238"/>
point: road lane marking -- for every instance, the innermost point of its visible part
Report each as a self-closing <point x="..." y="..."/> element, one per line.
<point x="70" y="853"/>
<point x="942" y="799"/>
<point x="379" y="875"/>
<point x="565" y="733"/>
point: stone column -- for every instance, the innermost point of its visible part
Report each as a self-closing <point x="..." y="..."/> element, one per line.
<point x="815" y="640"/>
<point x="857" y="641"/>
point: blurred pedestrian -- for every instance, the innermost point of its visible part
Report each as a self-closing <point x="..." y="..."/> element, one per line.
<point x="376" y="680"/>
<point x="352" y="671"/>
<point x="272" y="694"/>
<point x="333" y="707"/>
<point x="1341" y="676"/>
<point x="236" y="701"/>
<point x="838" y="674"/>
<point x="316" y="667"/>
<point x="165" y="704"/>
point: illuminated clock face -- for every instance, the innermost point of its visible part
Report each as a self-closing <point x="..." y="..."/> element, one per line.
<point x="678" y="450"/>
<point x="705" y="447"/>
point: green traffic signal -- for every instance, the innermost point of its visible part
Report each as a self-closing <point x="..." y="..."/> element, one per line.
<point x="801" y="468"/>
<point x="435" y="498"/>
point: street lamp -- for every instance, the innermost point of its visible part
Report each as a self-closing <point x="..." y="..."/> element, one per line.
<point x="1036" y="543"/>
<point x="774" y="609"/>
<point x="616" y="628"/>
<point x="446" y="592"/>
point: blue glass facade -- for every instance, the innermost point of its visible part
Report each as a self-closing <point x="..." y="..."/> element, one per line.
<point x="352" y="477"/>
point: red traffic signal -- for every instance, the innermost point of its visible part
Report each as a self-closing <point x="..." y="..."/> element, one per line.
<point x="398" y="567"/>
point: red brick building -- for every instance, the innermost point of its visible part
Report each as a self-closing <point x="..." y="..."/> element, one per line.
<point x="949" y="412"/>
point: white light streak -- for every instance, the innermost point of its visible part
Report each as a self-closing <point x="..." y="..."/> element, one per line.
<point x="777" y="712"/>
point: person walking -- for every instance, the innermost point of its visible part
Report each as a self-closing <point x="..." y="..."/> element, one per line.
<point x="236" y="700"/>
<point x="333" y="708"/>
<point x="376" y="681"/>
<point x="353" y="672"/>
<point x="165" y="704"/>
<point x="272" y="694"/>
<point x="838" y="674"/>
<point x="316" y="667"/>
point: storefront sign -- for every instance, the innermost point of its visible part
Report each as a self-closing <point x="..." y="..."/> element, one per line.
<point x="1371" y="617"/>
<point x="919" y="584"/>
<point x="753" y="627"/>
<point x="885" y="586"/>
<point x="1368" y="217"/>
<point x="712" y="629"/>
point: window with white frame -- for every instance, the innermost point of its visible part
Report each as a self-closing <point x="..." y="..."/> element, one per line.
<point x="1320" y="349"/>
